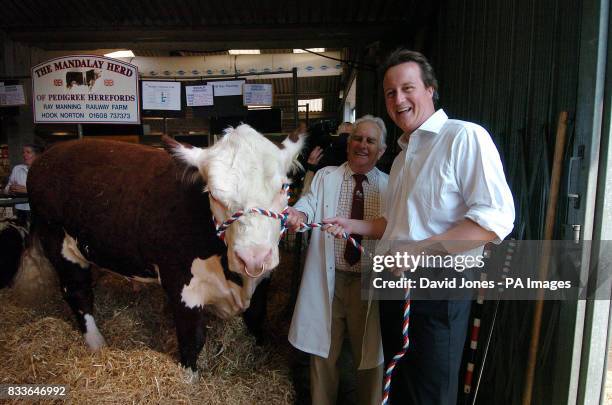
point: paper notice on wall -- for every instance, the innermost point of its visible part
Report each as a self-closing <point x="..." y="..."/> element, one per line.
<point x="12" y="95"/>
<point x="257" y="94"/>
<point x="161" y="96"/>
<point x="228" y="87"/>
<point x="199" y="95"/>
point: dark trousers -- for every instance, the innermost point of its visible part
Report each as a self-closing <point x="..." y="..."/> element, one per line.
<point x="428" y="373"/>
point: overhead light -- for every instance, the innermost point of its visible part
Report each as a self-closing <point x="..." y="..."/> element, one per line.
<point x="259" y="107"/>
<point x="315" y="105"/>
<point x="309" y="49"/>
<point x="244" y="52"/>
<point x="120" y="54"/>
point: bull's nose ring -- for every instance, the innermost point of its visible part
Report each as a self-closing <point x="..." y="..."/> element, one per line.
<point x="263" y="268"/>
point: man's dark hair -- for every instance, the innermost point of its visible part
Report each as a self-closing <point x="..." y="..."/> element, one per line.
<point x="37" y="149"/>
<point x="402" y="55"/>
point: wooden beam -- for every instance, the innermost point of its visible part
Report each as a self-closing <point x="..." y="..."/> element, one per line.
<point x="204" y="38"/>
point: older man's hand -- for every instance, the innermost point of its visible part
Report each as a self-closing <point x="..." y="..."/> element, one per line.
<point x="295" y="218"/>
<point x="338" y="226"/>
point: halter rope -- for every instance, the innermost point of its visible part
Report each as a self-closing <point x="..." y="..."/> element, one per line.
<point x="283" y="218"/>
<point x="306" y="227"/>
<point x="400" y="354"/>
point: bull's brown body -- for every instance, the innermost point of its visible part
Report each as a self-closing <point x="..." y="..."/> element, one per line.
<point x="124" y="203"/>
<point x="129" y="212"/>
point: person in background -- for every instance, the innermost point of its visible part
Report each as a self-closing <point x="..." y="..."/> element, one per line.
<point x="333" y="155"/>
<point x="446" y="188"/>
<point x="18" y="178"/>
<point x="329" y="305"/>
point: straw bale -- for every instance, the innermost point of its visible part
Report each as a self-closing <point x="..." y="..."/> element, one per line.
<point x="42" y="345"/>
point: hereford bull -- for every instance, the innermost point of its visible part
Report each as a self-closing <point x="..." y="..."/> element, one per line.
<point x="126" y="208"/>
<point x="74" y="79"/>
<point x="91" y="76"/>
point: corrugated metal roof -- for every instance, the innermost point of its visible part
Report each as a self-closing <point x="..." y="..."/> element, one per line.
<point x="196" y="25"/>
<point x="201" y="27"/>
<point x="20" y="14"/>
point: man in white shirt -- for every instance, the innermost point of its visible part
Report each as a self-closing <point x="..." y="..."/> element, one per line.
<point x="447" y="185"/>
<point x="329" y="304"/>
<point x="18" y="178"/>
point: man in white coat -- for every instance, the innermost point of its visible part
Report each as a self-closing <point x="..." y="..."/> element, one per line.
<point x="329" y="304"/>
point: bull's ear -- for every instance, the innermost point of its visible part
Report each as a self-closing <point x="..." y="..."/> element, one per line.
<point x="290" y="148"/>
<point x="184" y="153"/>
<point x="190" y="158"/>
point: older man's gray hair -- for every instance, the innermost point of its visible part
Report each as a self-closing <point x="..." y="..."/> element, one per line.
<point x="380" y="124"/>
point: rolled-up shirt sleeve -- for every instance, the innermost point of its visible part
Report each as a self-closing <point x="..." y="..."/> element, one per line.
<point x="482" y="182"/>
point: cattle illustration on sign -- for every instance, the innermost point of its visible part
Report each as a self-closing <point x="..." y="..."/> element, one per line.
<point x="78" y="79"/>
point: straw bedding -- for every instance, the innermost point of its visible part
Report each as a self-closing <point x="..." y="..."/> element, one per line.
<point x="42" y="346"/>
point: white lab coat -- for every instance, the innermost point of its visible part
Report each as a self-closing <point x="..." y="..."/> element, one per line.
<point x="310" y="329"/>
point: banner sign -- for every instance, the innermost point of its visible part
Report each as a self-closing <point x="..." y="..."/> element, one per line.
<point x="85" y="88"/>
<point x="257" y="94"/>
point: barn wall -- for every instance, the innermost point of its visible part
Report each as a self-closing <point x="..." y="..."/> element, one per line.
<point x="15" y="62"/>
<point x="513" y="67"/>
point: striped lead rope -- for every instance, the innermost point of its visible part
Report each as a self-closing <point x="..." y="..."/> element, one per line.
<point x="283" y="218"/>
<point x="400" y="354"/>
<point x="306" y="227"/>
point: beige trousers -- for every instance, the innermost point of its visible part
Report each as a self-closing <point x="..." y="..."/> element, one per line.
<point x="348" y="316"/>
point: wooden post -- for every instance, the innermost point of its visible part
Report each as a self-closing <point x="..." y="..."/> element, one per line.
<point x="551" y="210"/>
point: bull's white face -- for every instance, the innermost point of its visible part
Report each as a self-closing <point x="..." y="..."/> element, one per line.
<point x="245" y="170"/>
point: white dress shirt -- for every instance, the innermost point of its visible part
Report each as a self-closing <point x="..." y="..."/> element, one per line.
<point x="447" y="170"/>
<point x="19" y="176"/>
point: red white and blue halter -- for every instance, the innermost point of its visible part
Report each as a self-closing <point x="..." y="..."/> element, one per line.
<point x="282" y="216"/>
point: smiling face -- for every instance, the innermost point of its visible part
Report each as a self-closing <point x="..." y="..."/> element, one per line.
<point x="28" y="155"/>
<point x="409" y="102"/>
<point x="364" y="147"/>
